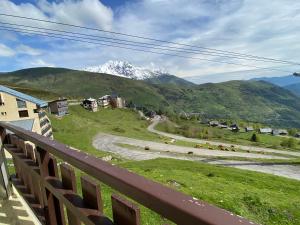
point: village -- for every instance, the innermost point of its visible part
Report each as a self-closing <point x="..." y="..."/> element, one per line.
<point x="236" y="128"/>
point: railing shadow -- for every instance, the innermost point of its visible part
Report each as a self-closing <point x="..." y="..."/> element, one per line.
<point x="12" y="212"/>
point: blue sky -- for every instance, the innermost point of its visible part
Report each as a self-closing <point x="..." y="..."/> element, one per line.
<point x="258" y="27"/>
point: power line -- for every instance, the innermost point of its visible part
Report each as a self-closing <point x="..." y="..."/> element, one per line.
<point x="125" y="42"/>
<point x="134" y="43"/>
<point x="64" y="37"/>
<point x="146" y="38"/>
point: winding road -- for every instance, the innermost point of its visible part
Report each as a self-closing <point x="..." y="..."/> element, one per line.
<point x="111" y="143"/>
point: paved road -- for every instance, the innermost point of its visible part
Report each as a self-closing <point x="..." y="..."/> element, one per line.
<point x="109" y="143"/>
<point x="157" y="120"/>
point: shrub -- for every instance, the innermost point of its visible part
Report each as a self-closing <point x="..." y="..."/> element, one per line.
<point x="254" y="138"/>
<point x="289" y="142"/>
<point x="119" y="130"/>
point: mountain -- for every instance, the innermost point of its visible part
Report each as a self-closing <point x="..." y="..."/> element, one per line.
<point x="125" y="69"/>
<point x="168" y="79"/>
<point x="280" y="81"/>
<point x="256" y="101"/>
<point x="295" y="88"/>
<point x="291" y="83"/>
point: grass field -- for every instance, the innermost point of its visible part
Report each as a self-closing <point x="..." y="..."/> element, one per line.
<point x="265" y="199"/>
<point x="79" y="128"/>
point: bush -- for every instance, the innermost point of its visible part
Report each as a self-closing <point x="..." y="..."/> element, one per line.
<point x="292" y="132"/>
<point x="119" y="130"/>
<point x="289" y="142"/>
<point x="254" y="138"/>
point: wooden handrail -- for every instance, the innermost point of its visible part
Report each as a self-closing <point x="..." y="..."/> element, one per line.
<point x="171" y="204"/>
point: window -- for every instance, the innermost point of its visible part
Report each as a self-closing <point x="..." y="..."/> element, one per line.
<point x="23" y="113"/>
<point x="1" y="100"/>
<point x="3" y="113"/>
<point x="21" y="103"/>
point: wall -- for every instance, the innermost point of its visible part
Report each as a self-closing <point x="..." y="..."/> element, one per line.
<point x="12" y="111"/>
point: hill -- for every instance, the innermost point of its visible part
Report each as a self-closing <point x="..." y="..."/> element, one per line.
<point x="295" y="88"/>
<point x="280" y="81"/>
<point x="169" y="80"/>
<point x="256" y="101"/>
<point x="291" y="83"/>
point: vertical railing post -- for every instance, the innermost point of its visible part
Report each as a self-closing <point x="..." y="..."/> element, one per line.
<point x="4" y="178"/>
<point x="53" y="208"/>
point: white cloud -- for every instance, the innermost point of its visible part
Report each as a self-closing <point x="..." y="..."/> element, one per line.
<point x="41" y="63"/>
<point x="27" y="50"/>
<point x="82" y="12"/>
<point x="246" y="26"/>
<point x="5" y="51"/>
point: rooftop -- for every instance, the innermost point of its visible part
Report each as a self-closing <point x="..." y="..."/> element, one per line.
<point x="23" y="96"/>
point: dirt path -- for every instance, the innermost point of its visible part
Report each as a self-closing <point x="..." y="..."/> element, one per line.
<point x="110" y="143"/>
<point x="157" y="120"/>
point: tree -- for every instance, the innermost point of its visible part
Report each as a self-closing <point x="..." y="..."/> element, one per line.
<point x="254" y="138"/>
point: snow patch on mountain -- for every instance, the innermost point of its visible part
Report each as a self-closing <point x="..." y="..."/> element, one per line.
<point x="125" y="69"/>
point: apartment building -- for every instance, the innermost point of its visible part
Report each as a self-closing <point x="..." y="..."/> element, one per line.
<point x="24" y="111"/>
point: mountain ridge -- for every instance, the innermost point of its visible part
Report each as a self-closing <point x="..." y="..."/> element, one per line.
<point x="256" y="101"/>
<point x="126" y="69"/>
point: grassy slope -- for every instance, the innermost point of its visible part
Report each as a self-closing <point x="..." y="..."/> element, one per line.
<point x="257" y="196"/>
<point x="214" y="133"/>
<point x="247" y="100"/>
<point x="79" y="128"/>
<point x="74" y="83"/>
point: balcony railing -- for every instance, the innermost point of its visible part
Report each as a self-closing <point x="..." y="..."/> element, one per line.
<point x="42" y="114"/>
<point x="37" y="178"/>
<point x="46" y="129"/>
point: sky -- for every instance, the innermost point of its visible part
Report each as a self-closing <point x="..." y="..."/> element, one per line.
<point x="258" y="27"/>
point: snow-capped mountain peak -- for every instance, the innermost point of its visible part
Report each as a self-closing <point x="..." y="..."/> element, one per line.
<point x="125" y="69"/>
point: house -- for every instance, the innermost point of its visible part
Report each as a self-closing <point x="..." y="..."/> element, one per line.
<point x="151" y="114"/>
<point x="90" y="104"/>
<point x="24" y="111"/>
<point x="213" y="123"/>
<point x="117" y="102"/>
<point x="265" y="130"/>
<point x="104" y="101"/>
<point x="280" y="132"/>
<point x="249" y="129"/>
<point x="297" y="135"/>
<point x="223" y="126"/>
<point x="59" y="107"/>
<point x="234" y="127"/>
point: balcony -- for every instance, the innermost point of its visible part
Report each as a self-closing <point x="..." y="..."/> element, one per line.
<point x="46" y="129"/>
<point x="49" y="188"/>
<point x="42" y="114"/>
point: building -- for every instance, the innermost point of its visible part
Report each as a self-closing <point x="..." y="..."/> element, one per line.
<point x="90" y="104"/>
<point x="59" y="107"/>
<point x="249" y="129"/>
<point x="234" y="127"/>
<point x="117" y="102"/>
<point x="24" y="111"/>
<point x="265" y="130"/>
<point x="280" y="132"/>
<point x="214" y="123"/>
<point x="104" y="101"/>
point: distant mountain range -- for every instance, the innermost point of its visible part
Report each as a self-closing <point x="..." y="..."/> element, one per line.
<point x="256" y="101"/>
<point x="291" y="83"/>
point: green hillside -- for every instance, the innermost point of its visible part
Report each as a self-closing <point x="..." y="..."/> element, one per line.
<point x="295" y="88"/>
<point x="256" y="101"/>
